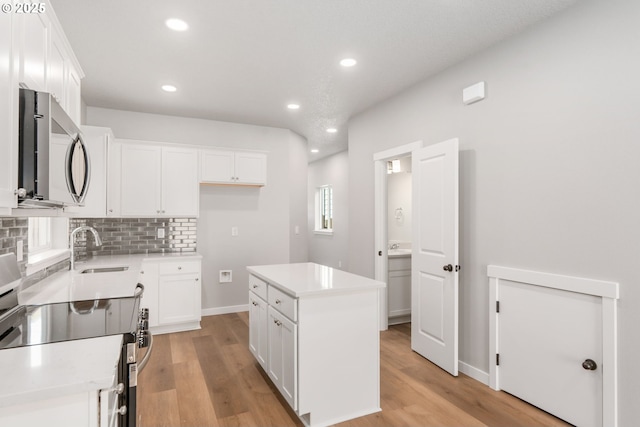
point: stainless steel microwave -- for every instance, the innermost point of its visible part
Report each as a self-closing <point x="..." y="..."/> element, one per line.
<point x="53" y="166"/>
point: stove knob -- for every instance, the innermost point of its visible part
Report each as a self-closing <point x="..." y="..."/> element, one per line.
<point x="143" y="339"/>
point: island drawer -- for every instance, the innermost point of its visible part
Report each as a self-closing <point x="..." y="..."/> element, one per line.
<point x="284" y="303"/>
<point x="258" y="286"/>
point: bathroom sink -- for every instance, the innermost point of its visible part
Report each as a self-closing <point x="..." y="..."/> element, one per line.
<point x="399" y="252"/>
<point x="103" y="270"/>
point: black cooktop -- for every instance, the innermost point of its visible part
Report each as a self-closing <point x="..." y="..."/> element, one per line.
<point x="43" y="324"/>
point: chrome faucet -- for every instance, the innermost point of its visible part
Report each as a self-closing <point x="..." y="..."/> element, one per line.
<point x="96" y="237"/>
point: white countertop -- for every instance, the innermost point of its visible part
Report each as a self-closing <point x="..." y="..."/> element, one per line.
<point x="312" y="279"/>
<point x="69" y="285"/>
<point x="50" y="370"/>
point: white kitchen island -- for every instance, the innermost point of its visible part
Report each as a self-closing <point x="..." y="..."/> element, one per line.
<point x="315" y="331"/>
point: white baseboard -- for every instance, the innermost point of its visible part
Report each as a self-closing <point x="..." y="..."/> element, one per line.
<point x="473" y="372"/>
<point x="225" y="310"/>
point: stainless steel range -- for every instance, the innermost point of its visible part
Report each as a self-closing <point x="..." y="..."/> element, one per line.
<point x="28" y="325"/>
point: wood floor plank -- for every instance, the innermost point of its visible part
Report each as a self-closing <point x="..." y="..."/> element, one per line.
<point x="226" y="396"/>
<point x="209" y="378"/>
<point x="193" y="396"/>
<point x="158" y="373"/>
<point x="165" y="402"/>
<point x="182" y="348"/>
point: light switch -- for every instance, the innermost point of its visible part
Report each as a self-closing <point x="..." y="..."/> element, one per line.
<point x="234" y="231"/>
<point x="297" y="229"/>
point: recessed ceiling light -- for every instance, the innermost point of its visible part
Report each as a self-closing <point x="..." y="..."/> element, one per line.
<point x="169" y="88"/>
<point x="177" y="24"/>
<point x="315" y="150"/>
<point x="293" y="106"/>
<point x="348" y="62"/>
<point x="332" y="130"/>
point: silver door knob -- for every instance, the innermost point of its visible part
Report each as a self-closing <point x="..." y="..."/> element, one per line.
<point x="590" y="365"/>
<point x="448" y="267"/>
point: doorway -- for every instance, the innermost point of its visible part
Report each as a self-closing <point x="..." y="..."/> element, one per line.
<point x="381" y="160"/>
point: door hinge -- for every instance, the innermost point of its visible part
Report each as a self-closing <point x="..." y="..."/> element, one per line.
<point x="497" y="359"/>
<point x="497" y="306"/>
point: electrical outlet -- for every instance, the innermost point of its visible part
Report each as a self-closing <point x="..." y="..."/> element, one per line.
<point x="226" y="276"/>
<point x="160" y="233"/>
<point x="234" y="231"/>
<point x="20" y="250"/>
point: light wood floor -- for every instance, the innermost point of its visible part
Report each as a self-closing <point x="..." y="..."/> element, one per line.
<point x="209" y="378"/>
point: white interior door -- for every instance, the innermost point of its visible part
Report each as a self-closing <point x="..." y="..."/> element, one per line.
<point x="545" y="336"/>
<point x="434" y="264"/>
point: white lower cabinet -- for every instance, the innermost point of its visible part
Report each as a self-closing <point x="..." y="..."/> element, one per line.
<point x="399" y="290"/>
<point x="72" y="410"/>
<point x="172" y="293"/>
<point x="258" y="334"/>
<point x="283" y="356"/>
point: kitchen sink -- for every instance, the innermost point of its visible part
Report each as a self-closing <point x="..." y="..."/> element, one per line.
<point x="103" y="270"/>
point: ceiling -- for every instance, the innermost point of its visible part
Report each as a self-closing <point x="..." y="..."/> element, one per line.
<point x="244" y="60"/>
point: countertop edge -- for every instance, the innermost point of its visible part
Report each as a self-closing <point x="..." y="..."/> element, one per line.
<point x="374" y="285"/>
<point x="50" y="388"/>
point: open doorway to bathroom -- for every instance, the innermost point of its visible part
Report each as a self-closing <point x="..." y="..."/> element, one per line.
<point x="393" y="211"/>
<point x="399" y="240"/>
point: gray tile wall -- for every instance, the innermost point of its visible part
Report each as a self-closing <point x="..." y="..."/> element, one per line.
<point x="11" y="231"/>
<point x="125" y="236"/>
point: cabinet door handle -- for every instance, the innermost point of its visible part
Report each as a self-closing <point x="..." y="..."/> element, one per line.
<point x="179" y="268"/>
<point x="277" y="322"/>
<point x="255" y="286"/>
<point x="254" y="303"/>
<point x="197" y="279"/>
<point x="278" y="301"/>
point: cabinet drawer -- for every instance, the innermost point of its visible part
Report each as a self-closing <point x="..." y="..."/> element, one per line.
<point x="258" y="286"/>
<point x="284" y="303"/>
<point x="179" y="267"/>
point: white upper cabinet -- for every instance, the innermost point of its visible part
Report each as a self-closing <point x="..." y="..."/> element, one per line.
<point x="45" y="59"/>
<point x="57" y="63"/>
<point x="8" y="116"/>
<point x="33" y="33"/>
<point x="233" y="167"/>
<point x="180" y="190"/>
<point x="73" y="100"/>
<point x="154" y="180"/>
<point x="34" y="53"/>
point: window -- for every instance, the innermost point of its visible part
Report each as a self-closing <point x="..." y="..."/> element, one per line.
<point x="39" y="236"/>
<point x="47" y="242"/>
<point x="324" y="209"/>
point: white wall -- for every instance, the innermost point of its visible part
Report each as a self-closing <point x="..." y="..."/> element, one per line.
<point x="265" y="216"/>
<point x="549" y="165"/>
<point x="330" y="250"/>
<point x="399" y="196"/>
